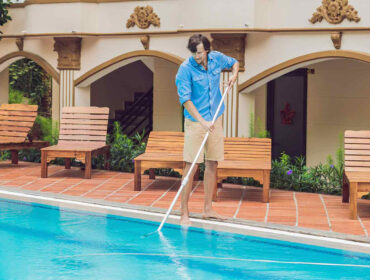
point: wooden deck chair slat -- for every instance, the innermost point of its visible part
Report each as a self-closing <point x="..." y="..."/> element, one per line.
<point x="18" y="113"/>
<point x="18" y="118"/>
<point x="84" y="122"/>
<point x="356" y="141"/>
<point x="357" y="146"/>
<point x="357" y="134"/>
<point x="357" y="158"/>
<point x="82" y="132"/>
<point x="15" y="123"/>
<point x="82" y="137"/>
<point x="83" y="126"/>
<point x="84" y="116"/>
<point x="357" y="163"/>
<point x="357" y="152"/>
<point x="18" y="107"/>
<point x="21" y="134"/>
<point x="88" y="110"/>
<point x="14" y="128"/>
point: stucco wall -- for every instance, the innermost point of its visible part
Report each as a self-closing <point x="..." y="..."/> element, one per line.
<point x="167" y="112"/>
<point x="4" y="86"/>
<point x="338" y="99"/>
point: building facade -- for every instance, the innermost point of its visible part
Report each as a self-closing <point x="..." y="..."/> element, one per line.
<point x="304" y="64"/>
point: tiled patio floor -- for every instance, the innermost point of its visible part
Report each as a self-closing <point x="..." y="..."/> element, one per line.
<point x="314" y="211"/>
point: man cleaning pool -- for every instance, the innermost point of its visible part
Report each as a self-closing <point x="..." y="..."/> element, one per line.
<point x="198" y="87"/>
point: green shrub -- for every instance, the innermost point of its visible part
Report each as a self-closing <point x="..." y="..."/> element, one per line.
<point x="44" y="129"/>
<point x="15" y="96"/>
<point x="124" y="149"/>
<point x="293" y="174"/>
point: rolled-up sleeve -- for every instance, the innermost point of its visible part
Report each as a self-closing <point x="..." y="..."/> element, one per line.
<point x="183" y="83"/>
<point x="225" y="61"/>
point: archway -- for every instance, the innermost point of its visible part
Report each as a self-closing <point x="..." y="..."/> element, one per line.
<point x="131" y="81"/>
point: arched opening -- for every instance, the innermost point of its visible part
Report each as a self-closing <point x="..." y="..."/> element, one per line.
<point x="333" y="91"/>
<point x="28" y="78"/>
<point x="138" y="87"/>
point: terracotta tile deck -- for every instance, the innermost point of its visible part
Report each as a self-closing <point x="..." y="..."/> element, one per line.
<point x="306" y="210"/>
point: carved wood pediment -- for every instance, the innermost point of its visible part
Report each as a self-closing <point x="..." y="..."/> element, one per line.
<point x="335" y="11"/>
<point x="143" y="17"/>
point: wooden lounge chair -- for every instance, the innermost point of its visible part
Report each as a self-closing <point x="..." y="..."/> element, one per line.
<point x="246" y="157"/>
<point x="164" y="149"/>
<point x="356" y="177"/>
<point x="82" y="135"/>
<point x="16" y="120"/>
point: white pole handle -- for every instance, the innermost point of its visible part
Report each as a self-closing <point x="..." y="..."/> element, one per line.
<point x="186" y="178"/>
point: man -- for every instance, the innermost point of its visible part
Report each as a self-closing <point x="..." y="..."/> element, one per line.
<point x="198" y="86"/>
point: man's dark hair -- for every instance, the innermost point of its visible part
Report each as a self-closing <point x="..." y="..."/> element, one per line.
<point x="197" y="39"/>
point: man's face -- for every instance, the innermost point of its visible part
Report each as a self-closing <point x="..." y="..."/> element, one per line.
<point x="200" y="55"/>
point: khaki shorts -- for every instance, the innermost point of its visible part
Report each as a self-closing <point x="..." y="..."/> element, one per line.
<point x="194" y="135"/>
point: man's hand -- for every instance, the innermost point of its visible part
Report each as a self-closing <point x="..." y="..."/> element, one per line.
<point x="208" y="126"/>
<point x="231" y="81"/>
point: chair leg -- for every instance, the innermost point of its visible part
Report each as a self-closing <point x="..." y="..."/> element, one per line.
<point x="152" y="173"/>
<point x="345" y="190"/>
<point x="88" y="165"/>
<point x="137" y="176"/>
<point x="44" y="164"/>
<point x="67" y="163"/>
<point x="353" y="200"/>
<point x="266" y="186"/>
<point x="14" y="156"/>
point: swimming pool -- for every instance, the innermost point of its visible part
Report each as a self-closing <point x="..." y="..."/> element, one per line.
<point x="46" y="242"/>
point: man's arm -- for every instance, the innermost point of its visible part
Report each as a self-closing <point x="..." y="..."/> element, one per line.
<point x="234" y="76"/>
<point x="195" y="114"/>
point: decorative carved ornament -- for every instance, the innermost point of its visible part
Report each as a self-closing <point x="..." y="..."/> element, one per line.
<point x="20" y="42"/>
<point x="336" y="37"/>
<point x="143" y="17"/>
<point x="145" y="41"/>
<point x="335" y="11"/>
<point x="69" y="52"/>
<point x="230" y="44"/>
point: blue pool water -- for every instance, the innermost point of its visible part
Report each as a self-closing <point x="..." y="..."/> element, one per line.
<point x="45" y="242"/>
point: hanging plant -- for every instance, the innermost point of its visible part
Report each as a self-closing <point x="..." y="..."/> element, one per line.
<point x="4" y="14"/>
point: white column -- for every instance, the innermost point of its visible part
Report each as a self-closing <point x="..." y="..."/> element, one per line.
<point x="4" y="86"/>
<point x="230" y="116"/>
<point x="55" y="100"/>
<point x="66" y="88"/>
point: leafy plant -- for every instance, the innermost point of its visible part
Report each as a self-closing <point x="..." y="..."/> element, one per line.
<point x="15" y="96"/>
<point x="28" y="77"/>
<point x="124" y="149"/>
<point x="4" y="14"/>
<point x="44" y="129"/>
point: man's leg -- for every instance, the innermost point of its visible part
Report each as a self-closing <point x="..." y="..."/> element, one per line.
<point x="186" y="194"/>
<point x="209" y="186"/>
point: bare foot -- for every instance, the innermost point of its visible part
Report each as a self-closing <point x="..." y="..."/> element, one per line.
<point x="185" y="221"/>
<point x="213" y="215"/>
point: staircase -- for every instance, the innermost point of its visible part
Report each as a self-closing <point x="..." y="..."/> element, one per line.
<point x="138" y="114"/>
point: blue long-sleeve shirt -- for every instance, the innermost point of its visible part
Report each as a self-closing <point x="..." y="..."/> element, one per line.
<point x="202" y="87"/>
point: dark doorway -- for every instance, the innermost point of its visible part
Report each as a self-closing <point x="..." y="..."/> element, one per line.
<point x="287" y="113"/>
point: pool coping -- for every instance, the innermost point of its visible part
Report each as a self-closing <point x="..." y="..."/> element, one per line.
<point x="233" y="225"/>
